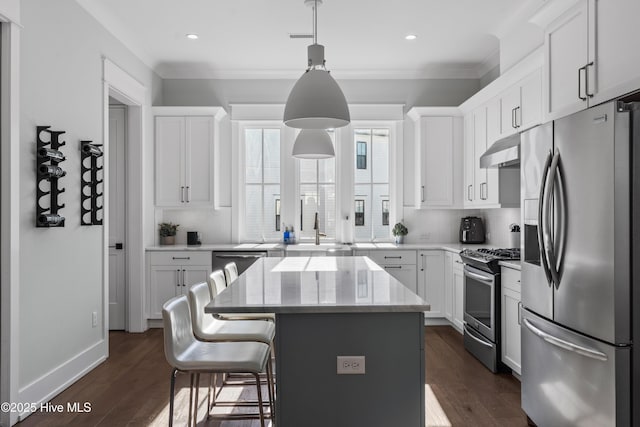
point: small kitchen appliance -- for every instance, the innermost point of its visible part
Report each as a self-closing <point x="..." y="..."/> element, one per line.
<point x="193" y="238"/>
<point x="471" y="230"/>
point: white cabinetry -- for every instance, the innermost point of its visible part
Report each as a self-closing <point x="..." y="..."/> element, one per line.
<point x="431" y="286"/>
<point x="401" y="264"/>
<point x="185" y="156"/>
<point x="453" y="289"/>
<point x="590" y="53"/>
<point x="510" y="307"/>
<point x="438" y="157"/>
<point x="520" y="106"/>
<point x="171" y="273"/>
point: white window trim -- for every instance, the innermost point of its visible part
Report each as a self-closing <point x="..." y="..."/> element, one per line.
<point x="362" y="115"/>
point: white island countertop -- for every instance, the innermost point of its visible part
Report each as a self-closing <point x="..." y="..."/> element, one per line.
<point x="316" y="285"/>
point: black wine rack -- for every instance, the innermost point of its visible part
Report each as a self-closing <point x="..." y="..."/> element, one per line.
<point x="89" y="195"/>
<point x="48" y="170"/>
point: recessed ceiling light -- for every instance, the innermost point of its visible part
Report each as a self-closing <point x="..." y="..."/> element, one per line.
<point x="192" y="36"/>
<point x="411" y="37"/>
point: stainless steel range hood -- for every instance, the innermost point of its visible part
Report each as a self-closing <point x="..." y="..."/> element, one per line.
<point x="503" y="153"/>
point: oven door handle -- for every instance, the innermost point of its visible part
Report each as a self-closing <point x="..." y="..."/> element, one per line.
<point x="478" y="340"/>
<point x="478" y="277"/>
<point x="238" y="256"/>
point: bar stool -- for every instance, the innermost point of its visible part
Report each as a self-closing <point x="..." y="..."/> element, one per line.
<point x="208" y="328"/>
<point x="230" y="272"/>
<point x="186" y="354"/>
<point x="217" y="283"/>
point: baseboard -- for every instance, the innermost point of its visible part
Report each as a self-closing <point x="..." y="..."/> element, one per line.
<point x="58" y="379"/>
<point x="436" y="321"/>
<point x="154" y="323"/>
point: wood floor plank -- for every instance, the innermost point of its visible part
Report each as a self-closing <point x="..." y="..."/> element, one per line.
<point x="131" y="388"/>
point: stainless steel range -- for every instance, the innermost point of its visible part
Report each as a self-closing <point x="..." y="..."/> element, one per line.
<point x="482" y="302"/>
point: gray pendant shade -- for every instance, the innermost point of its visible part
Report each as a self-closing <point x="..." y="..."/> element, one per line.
<point x="313" y="144"/>
<point x="316" y="102"/>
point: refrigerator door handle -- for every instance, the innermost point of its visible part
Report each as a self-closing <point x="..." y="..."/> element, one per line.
<point x="549" y="243"/>
<point x="558" y="342"/>
<point x="541" y="219"/>
<point x="561" y="236"/>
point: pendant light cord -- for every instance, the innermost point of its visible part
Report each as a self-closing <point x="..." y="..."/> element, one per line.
<point x="315" y="22"/>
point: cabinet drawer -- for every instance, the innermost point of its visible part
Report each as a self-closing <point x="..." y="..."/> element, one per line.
<point x="180" y="258"/>
<point x="393" y="257"/>
<point x="510" y="279"/>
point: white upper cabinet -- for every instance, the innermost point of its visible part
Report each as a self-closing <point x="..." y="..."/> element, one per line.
<point x="520" y="106"/>
<point x="469" y="157"/>
<point x="590" y="54"/>
<point x="438" y="157"/>
<point x="185" y="156"/>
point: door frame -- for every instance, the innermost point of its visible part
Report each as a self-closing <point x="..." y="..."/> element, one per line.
<point x="123" y="87"/>
<point x="9" y="215"/>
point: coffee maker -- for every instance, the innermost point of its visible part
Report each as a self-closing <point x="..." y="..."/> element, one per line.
<point x="193" y="238"/>
<point x="471" y="230"/>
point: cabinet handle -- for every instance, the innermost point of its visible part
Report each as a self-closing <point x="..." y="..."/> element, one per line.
<point x="178" y="277"/>
<point x="469" y="187"/>
<point x="458" y="262"/>
<point x="392" y="266"/>
<point x="580" y="70"/>
<point x="183" y="284"/>
<point x="483" y="194"/>
<point x="586" y="86"/>
<point x="518" y="122"/>
<point x="513" y="118"/>
<point x="181" y="257"/>
<point x="393" y="257"/>
<point x="422" y="256"/>
<point x="519" y="312"/>
<point x="188" y="194"/>
<point x="423" y="193"/>
<point x="181" y="194"/>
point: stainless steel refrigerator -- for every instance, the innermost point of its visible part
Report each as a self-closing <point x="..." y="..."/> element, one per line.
<point x="578" y="201"/>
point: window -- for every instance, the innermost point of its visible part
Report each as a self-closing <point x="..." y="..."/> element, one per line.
<point x="385" y="212"/>
<point x="262" y="184"/>
<point x="359" y="213"/>
<point x="371" y="184"/>
<point x="361" y="155"/>
<point x="317" y="180"/>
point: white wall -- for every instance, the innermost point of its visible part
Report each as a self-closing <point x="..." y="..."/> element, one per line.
<point x="213" y="224"/>
<point x="61" y="269"/>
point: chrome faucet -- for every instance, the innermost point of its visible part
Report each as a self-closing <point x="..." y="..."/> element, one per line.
<point x="317" y="228"/>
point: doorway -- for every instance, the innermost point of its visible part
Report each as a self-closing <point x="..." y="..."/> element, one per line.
<point x="117" y="217"/>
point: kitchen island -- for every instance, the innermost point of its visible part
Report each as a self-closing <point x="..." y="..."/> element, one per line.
<point x="337" y="306"/>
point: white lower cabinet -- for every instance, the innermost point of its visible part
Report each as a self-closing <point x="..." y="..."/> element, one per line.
<point x="431" y="281"/>
<point x="510" y="307"/>
<point x="170" y="274"/>
<point x="458" y="293"/>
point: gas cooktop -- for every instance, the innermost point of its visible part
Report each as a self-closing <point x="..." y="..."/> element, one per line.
<point x="487" y="259"/>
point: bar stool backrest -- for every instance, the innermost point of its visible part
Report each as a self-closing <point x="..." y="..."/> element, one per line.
<point x="216" y="283"/>
<point x="199" y="297"/>
<point x="178" y="332"/>
<point x="230" y="272"/>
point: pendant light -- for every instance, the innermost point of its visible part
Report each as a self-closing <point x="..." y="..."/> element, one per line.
<point x="313" y="144"/>
<point x="316" y="101"/>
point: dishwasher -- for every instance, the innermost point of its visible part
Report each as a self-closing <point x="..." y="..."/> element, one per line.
<point x="243" y="260"/>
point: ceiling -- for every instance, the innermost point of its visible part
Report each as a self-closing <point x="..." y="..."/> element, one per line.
<point x="363" y="39"/>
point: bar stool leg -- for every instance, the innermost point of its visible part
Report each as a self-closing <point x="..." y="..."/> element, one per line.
<point x="190" y="398"/>
<point x="257" y="376"/>
<point x="272" y="407"/>
<point x="172" y="394"/>
<point x="196" y="401"/>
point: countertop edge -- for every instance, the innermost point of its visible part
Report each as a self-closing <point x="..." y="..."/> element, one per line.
<point x="233" y="247"/>
<point x="321" y="309"/>
<point x="515" y="265"/>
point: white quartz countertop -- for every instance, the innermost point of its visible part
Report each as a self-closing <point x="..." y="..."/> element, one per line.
<point x="316" y="285"/>
<point x="220" y="247"/>
<point x="516" y="265"/>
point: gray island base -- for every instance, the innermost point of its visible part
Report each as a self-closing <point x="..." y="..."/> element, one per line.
<point x="338" y="306"/>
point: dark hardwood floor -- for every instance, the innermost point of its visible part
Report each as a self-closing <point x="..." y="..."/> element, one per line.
<point x="132" y="388"/>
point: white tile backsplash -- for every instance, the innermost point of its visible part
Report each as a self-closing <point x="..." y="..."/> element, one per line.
<point x="214" y="225"/>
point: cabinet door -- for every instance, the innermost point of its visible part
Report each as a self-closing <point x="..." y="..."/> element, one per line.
<point x="494" y="121"/>
<point x="436" y="159"/>
<point x="199" y="161"/>
<point x="431" y="281"/>
<point x="406" y="274"/>
<point x="511" y="329"/>
<point x="448" y="286"/>
<point x="165" y="282"/>
<point x="480" y="146"/>
<point x="458" y="298"/>
<point x="170" y="148"/>
<point x="613" y="49"/>
<point x="509" y="106"/>
<point x="530" y="112"/>
<point x="469" y="165"/>
<point x="565" y="54"/>
<point x="194" y="274"/>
